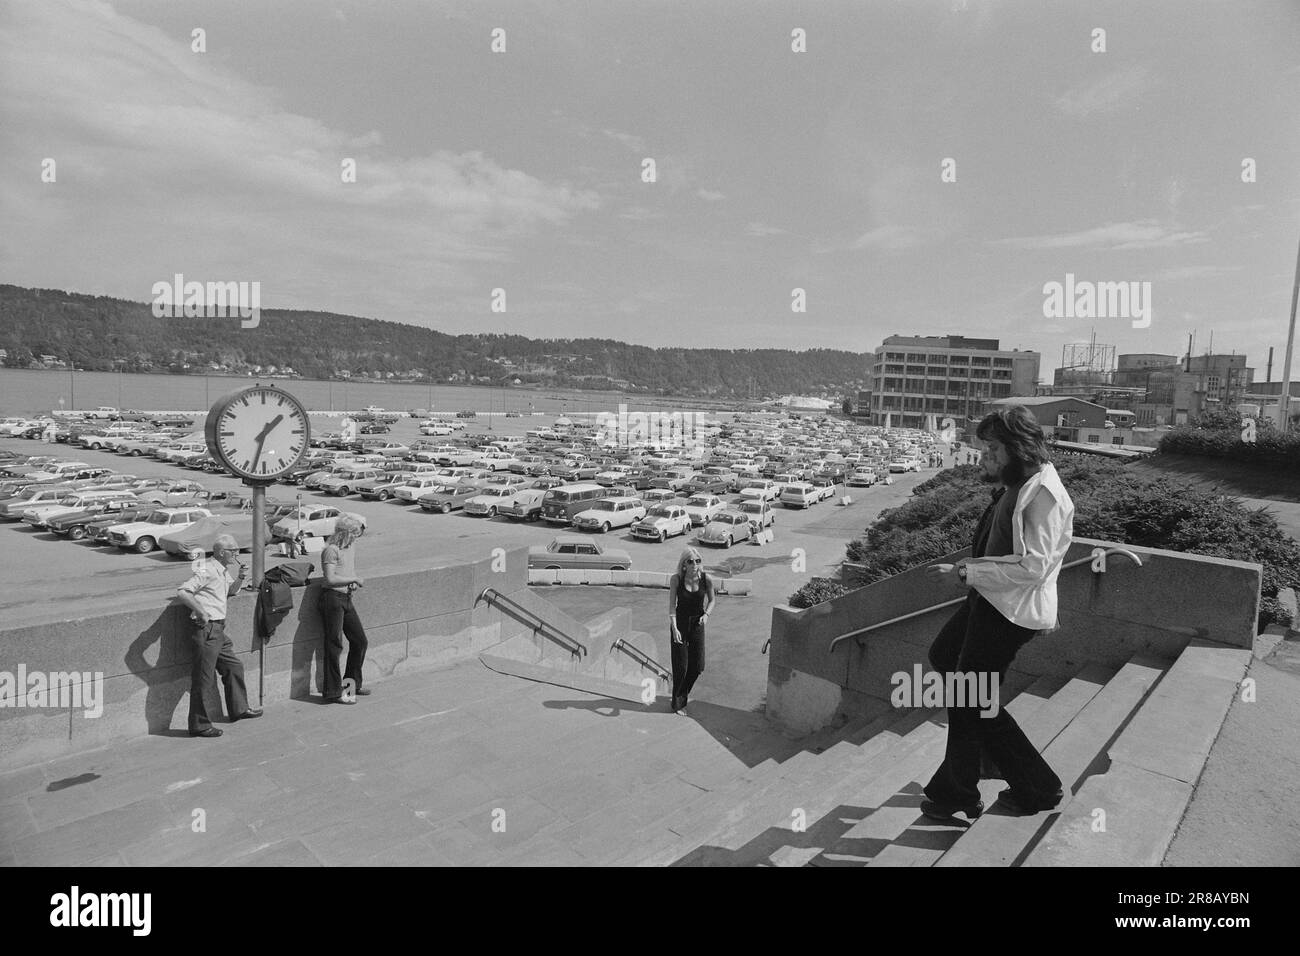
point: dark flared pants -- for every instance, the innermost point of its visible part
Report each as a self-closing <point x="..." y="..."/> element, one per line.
<point x="979" y="639"/>
<point x="339" y="618"/>
<point x="688" y="662"/>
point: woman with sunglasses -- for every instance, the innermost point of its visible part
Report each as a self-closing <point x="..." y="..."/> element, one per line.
<point x="338" y="617"/>
<point x="690" y="598"/>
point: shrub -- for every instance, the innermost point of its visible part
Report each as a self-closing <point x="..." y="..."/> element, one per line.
<point x="1111" y="503"/>
<point x="817" y="591"/>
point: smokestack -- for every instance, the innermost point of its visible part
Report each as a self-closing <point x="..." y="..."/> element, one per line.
<point x="1269" y="374"/>
<point x="1188" y="366"/>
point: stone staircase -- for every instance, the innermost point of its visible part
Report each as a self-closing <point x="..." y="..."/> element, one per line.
<point x="1129" y="743"/>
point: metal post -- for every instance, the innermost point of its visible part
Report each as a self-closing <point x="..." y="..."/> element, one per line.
<point x="259" y="568"/>
<point x="1284" y="399"/>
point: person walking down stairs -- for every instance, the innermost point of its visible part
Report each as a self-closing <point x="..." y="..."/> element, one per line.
<point x="690" y="598"/>
<point x="1016" y="556"/>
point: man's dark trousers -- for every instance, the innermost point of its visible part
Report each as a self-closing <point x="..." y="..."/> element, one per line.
<point x="213" y="655"/>
<point x="979" y="639"/>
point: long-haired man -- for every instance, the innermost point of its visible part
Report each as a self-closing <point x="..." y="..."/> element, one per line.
<point x="1016" y="555"/>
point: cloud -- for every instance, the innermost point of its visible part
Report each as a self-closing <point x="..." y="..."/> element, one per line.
<point x="635" y="143"/>
<point x="1118" y="90"/>
<point x="1139" y="234"/>
<point x="1192" y="272"/>
<point x="183" y="139"/>
<point x="762" y="230"/>
<point x="641" y="214"/>
<point x="710" y="195"/>
<point x="892" y="238"/>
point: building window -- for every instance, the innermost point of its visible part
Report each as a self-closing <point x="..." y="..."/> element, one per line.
<point x="1094" y="438"/>
<point x="937" y="359"/>
<point x="1117" y="440"/>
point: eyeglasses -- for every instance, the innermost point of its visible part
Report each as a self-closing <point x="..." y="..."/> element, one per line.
<point x="694" y="561"/>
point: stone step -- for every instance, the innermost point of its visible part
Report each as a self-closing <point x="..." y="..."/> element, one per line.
<point x="1142" y="812"/>
<point x="1154" y="765"/>
<point x="912" y="839"/>
<point x="680" y="835"/>
<point x="999" y="839"/>
<point x="737" y="842"/>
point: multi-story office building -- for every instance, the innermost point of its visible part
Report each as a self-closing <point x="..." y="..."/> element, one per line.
<point x="916" y="379"/>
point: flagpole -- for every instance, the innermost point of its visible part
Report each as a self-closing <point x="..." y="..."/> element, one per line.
<point x="1284" y="399"/>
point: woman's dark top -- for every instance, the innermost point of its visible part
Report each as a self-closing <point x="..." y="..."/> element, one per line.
<point x="690" y="604"/>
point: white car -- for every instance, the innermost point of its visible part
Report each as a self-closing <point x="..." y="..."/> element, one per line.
<point x="142" y="536"/>
<point x="761" y="490"/>
<point x="801" y="494"/>
<point x="392" y="449"/>
<point x="410" y="492"/>
<point x="862" y="478"/>
<point x="701" y="508"/>
<point x="490" y="501"/>
<point x="904" y="465"/>
<point x="658" y="496"/>
<point x="760" y="513"/>
<point x="494" y="459"/>
<point x="435" y="428"/>
<point x="613" y="475"/>
<point x="343" y="483"/>
<point x="314" y="521"/>
<point x="607" y="513"/>
<point x="662" y="522"/>
<point x="524" y="505"/>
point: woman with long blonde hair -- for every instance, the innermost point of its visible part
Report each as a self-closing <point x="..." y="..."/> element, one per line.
<point x="690" y="599"/>
<point x="338" y="616"/>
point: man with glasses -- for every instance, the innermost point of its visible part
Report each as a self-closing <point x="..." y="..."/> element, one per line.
<point x="205" y="595"/>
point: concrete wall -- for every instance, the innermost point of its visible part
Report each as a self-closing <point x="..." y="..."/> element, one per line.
<point x="413" y="620"/>
<point x="1105" y="618"/>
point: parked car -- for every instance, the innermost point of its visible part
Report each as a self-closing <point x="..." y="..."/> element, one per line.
<point x="861" y="478"/>
<point x="801" y="494"/>
<point x="197" y="540"/>
<point x="572" y="552"/>
<point x="662" y="522"/>
<point x="701" y="508"/>
<point x="314" y="521"/>
<point x="904" y="465"/>
<point x="345" y="481"/>
<point x="142" y="536"/>
<point x="607" y="513"/>
<point x="489" y="501"/>
<point x="87" y="501"/>
<point x="660" y="496"/>
<point x="97" y="529"/>
<point x="173" y="492"/>
<point x="761" y="514"/>
<point x="726" y="528"/>
<point x="76" y="524"/>
<point x="761" y="489"/>
<point x="384" y="485"/>
<point x="524" y="505"/>
<point x="374" y="428"/>
<point x="446" y="498"/>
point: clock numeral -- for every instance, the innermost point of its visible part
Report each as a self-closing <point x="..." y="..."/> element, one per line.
<point x="227" y="433"/>
<point x="264" y="398"/>
<point x="297" y="431"/>
<point x="247" y="464"/>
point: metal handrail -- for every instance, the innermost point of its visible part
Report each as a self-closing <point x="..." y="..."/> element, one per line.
<point x="640" y="657"/>
<point x="1090" y="559"/>
<point x="578" y="648"/>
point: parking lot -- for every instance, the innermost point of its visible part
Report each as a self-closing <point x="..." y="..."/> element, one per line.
<point x="49" y="578"/>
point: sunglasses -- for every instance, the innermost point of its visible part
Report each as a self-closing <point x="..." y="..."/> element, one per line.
<point x="694" y="561"/>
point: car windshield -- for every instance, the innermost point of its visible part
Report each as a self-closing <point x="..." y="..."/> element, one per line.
<point x="699" y="502"/>
<point x="751" y="506"/>
<point x="660" y="513"/>
<point x="159" y="518"/>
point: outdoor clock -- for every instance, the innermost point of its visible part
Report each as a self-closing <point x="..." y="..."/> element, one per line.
<point x="258" y="434"/>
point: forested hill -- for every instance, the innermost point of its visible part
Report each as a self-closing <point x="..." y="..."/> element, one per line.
<point x="100" y="333"/>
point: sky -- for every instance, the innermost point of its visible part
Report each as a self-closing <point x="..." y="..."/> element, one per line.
<point x="775" y="170"/>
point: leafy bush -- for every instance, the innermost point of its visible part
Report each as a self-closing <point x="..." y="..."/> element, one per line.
<point x="1111" y="502"/>
<point x="1217" y="434"/>
<point x="817" y="591"/>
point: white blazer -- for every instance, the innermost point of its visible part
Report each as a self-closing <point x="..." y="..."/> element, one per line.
<point x="1022" y="585"/>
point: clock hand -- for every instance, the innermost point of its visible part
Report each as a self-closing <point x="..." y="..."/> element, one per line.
<point x="270" y="427"/>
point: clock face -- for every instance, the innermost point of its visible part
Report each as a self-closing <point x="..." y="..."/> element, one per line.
<point x="258" y="433"/>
